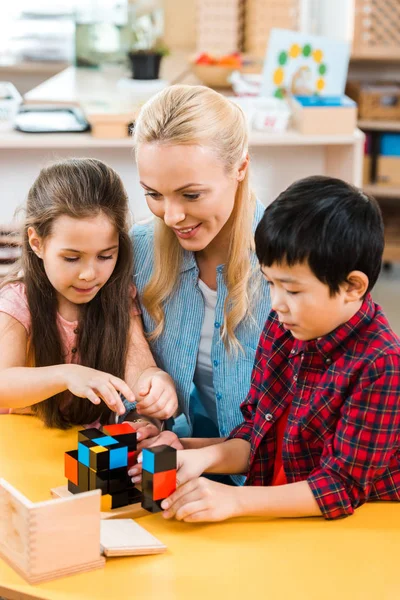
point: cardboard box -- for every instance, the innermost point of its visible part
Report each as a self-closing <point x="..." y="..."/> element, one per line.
<point x="388" y="170"/>
<point x="317" y="115"/>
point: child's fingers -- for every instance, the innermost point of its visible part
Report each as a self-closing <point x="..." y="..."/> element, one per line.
<point x="110" y="396"/>
<point x="157" y="408"/>
<point x="90" y="395"/>
<point x="183" y="495"/>
<point x="123" y="387"/>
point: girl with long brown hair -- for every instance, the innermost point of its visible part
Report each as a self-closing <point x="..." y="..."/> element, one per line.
<point x="69" y="309"/>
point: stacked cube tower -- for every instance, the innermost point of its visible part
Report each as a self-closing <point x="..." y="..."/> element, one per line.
<point x="158" y="476"/>
<point x="101" y="462"/>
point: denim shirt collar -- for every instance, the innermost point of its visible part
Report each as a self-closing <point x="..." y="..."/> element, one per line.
<point x="189" y="260"/>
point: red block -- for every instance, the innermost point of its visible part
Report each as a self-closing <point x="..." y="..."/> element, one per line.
<point x="117" y="429"/>
<point x="132" y="458"/>
<point x="164" y="483"/>
<point x="71" y="466"/>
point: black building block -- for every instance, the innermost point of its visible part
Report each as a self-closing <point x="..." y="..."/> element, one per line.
<point x="127" y="439"/>
<point x="74" y="489"/>
<point x="151" y="506"/>
<point x="89" y="434"/>
<point x="119" y="480"/>
<point x="83" y="477"/>
<point x="98" y="481"/>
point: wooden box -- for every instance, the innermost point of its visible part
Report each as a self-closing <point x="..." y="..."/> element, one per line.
<point x="376" y="101"/>
<point x="324" y="116"/>
<point x="50" y="539"/>
<point x="388" y="170"/>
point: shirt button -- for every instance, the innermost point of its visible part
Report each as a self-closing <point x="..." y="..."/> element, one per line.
<point x="216" y="363"/>
<point x="218" y="396"/>
<point x="73" y="350"/>
<point x="268" y="417"/>
<point x="302" y="355"/>
<point x="76" y="330"/>
<point x="295" y="377"/>
<point x="292" y="351"/>
<point x="217" y="325"/>
<point x="328" y="361"/>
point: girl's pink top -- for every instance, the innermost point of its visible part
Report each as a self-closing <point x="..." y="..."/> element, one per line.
<point x="14" y="302"/>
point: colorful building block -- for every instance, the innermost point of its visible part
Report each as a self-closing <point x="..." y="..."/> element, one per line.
<point x="89" y="434"/>
<point x="118" y="456"/>
<point x="98" y="480"/>
<point x="101" y="462"/>
<point x="83" y="451"/>
<point x="71" y="466"/>
<point x="158" y="476"/>
<point x="99" y="458"/>
<point x="159" y="458"/>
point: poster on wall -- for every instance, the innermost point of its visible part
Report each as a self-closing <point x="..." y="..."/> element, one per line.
<point x="304" y="65"/>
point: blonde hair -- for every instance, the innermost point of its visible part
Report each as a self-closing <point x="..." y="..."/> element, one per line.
<point x="191" y="115"/>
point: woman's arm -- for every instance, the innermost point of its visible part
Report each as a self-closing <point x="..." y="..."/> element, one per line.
<point x="153" y="388"/>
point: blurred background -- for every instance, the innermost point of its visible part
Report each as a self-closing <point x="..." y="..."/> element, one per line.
<point x="73" y="75"/>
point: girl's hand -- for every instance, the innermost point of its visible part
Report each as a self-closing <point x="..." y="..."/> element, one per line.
<point x="202" y="500"/>
<point x="97" y="386"/>
<point x="156" y="394"/>
<point x="149" y="436"/>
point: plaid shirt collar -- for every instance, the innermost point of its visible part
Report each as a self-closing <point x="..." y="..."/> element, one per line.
<point x="331" y="346"/>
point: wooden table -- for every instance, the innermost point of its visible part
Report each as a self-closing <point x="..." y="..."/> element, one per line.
<point x="355" y="558"/>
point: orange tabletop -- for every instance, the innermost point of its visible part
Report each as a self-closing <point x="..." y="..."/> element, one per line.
<point x="355" y="558"/>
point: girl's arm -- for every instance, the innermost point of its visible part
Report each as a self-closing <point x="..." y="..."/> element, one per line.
<point x="22" y="386"/>
<point x="153" y="388"/>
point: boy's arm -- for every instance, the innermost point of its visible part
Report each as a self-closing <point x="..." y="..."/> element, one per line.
<point x="232" y="456"/>
<point x="365" y="439"/>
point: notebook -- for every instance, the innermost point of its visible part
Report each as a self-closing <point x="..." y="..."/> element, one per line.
<point x="124" y="537"/>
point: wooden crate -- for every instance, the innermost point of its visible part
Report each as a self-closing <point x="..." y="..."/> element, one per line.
<point x="264" y="15"/>
<point x="376" y="100"/>
<point x="376" y="29"/>
<point x="219" y="26"/>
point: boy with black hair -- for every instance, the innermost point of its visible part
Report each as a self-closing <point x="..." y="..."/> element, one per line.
<point x="321" y="430"/>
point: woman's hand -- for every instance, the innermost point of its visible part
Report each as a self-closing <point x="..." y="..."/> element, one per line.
<point x="96" y="386"/>
<point x="156" y="394"/>
<point x="202" y="500"/>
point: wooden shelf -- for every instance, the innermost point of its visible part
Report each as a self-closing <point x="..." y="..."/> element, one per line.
<point x="382" y="191"/>
<point x="379" y="57"/>
<point x="375" y="125"/>
<point x="391" y="252"/>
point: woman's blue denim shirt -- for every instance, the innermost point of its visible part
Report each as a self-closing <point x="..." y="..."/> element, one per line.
<point x="175" y="351"/>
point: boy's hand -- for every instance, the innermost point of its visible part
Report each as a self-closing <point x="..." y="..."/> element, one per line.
<point x="149" y="436"/>
<point x="96" y="386"/>
<point x="202" y="500"/>
<point x="191" y="464"/>
<point x="156" y="394"/>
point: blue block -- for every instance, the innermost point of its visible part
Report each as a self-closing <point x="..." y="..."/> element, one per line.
<point x="324" y="101"/>
<point x="118" y="457"/>
<point x="148" y="461"/>
<point x="83" y="454"/>
<point x="390" y="144"/>
<point x="105" y="441"/>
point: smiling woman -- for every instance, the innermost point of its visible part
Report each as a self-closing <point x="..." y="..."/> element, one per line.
<point x="203" y="298"/>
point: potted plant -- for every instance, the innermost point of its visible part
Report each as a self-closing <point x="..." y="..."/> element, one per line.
<point x="147" y="48"/>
